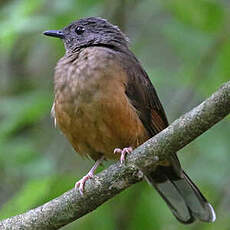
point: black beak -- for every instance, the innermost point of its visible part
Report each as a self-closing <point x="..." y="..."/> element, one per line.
<point x="54" y="33"/>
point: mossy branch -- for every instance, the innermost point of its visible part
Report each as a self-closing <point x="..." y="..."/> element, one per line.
<point x="71" y="205"/>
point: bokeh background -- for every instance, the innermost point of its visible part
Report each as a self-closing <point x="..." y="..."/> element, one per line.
<point x="185" y="48"/>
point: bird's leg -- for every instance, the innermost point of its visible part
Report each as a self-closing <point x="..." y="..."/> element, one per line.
<point x="81" y="183"/>
<point x="123" y="153"/>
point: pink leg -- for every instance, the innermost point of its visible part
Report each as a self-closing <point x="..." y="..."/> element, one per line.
<point x="123" y="153"/>
<point x="81" y="183"/>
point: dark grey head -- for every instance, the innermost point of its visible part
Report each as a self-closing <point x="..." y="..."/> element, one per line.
<point x="89" y="32"/>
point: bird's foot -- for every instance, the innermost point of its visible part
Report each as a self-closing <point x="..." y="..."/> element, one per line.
<point x="81" y="183"/>
<point x="123" y="153"/>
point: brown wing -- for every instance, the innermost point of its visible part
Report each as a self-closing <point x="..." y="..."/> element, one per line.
<point x="143" y="97"/>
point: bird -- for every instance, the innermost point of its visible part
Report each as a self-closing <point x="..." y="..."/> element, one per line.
<point x="106" y="106"/>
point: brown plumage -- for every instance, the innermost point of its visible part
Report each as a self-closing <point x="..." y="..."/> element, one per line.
<point x="104" y="100"/>
<point x="88" y="109"/>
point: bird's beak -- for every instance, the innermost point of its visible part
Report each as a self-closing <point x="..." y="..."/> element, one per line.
<point x="54" y="33"/>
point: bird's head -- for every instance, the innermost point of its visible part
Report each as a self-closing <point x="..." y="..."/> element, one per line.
<point x="90" y="31"/>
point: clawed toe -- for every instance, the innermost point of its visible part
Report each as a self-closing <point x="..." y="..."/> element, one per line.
<point x="81" y="183"/>
<point x="123" y="153"/>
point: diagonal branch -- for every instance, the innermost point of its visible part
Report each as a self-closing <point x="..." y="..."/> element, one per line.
<point x="71" y="205"/>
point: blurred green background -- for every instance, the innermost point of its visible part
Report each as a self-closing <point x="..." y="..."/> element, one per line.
<point x="185" y="48"/>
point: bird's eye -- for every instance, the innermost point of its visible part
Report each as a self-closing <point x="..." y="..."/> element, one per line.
<point x="79" y="30"/>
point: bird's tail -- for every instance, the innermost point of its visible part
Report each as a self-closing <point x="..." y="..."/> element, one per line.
<point x="181" y="195"/>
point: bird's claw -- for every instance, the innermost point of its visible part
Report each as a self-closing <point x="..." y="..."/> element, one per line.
<point x="123" y="153"/>
<point x="81" y="183"/>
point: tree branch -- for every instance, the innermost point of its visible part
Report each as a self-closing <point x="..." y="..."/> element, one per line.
<point x="71" y="205"/>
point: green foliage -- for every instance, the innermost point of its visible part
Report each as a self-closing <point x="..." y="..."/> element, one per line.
<point x="34" y="193"/>
<point x="204" y="15"/>
<point x="185" y="48"/>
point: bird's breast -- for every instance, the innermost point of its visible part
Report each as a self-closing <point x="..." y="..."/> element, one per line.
<point x="92" y="109"/>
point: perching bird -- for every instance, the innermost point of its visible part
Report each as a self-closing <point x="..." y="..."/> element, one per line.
<point x="106" y="105"/>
